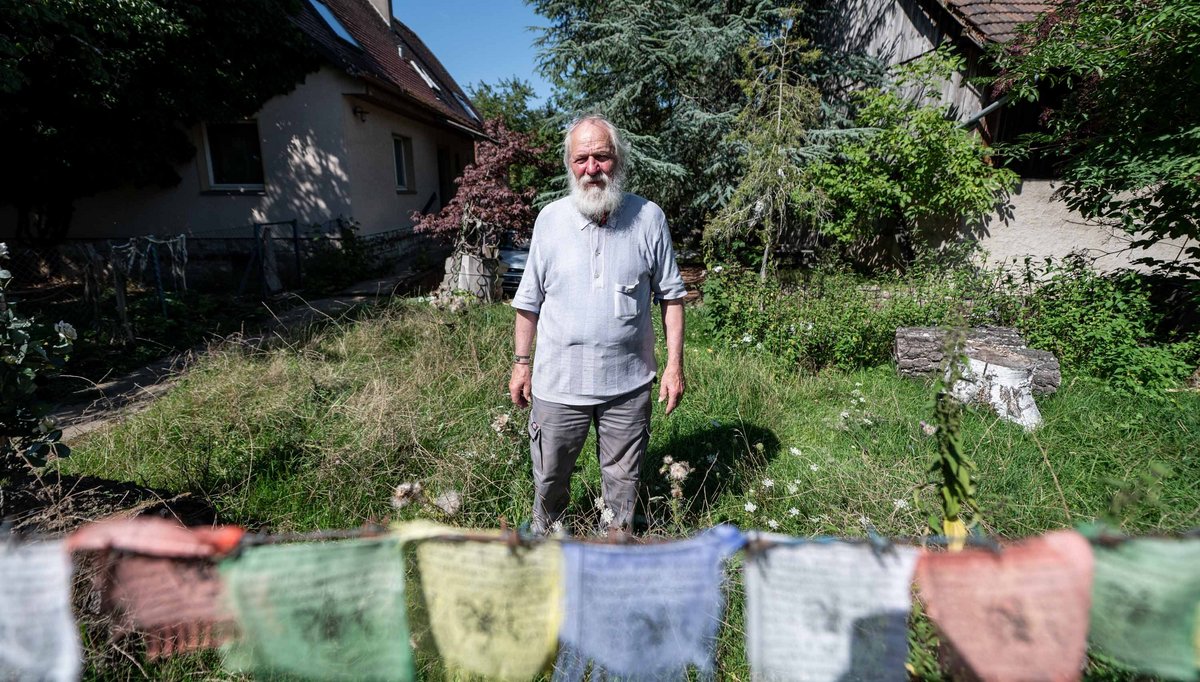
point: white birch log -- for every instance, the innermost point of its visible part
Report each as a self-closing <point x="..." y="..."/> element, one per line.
<point x="1002" y="381"/>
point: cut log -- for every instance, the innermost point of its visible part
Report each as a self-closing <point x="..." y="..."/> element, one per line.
<point x="1002" y="380"/>
<point x="919" y="352"/>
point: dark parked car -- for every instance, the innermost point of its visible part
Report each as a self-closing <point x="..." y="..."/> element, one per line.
<point x="513" y="252"/>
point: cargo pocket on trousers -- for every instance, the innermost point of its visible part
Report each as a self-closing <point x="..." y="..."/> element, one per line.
<point x="535" y="445"/>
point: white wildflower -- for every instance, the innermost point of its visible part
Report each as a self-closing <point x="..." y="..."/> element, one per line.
<point x="858" y="384"/>
<point x="772" y="524"/>
<point x="599" y="502"/>
<point x="864" y="520"/>
<point x="844" y="415"/>
<point x="768" y="483"/>
<point x="65" y="330"/>
<point x="556" y="528"/>
<point x="794" y="451"/>
<point x="449" y="502"/>
<point x="929" y="429"/>
<point x="711" y="459"/>
<point x="900" y="503"/>
<point x="751" y="507"/>
<point x="792" y="488"/>
<point x="719" y="268"/>
<point x="813" y="467"/>
<point x="405" y="494"/>
<point x="867" y="422"/>
<point x="607" y="516"/>
<point x="793" y="512"/>
<point x="747" y="339"/>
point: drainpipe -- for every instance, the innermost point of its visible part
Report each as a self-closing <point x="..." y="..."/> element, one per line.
<point x="970" y="122"/>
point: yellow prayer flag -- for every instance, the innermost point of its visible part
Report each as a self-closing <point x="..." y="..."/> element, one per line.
<point x="494" y="610"/>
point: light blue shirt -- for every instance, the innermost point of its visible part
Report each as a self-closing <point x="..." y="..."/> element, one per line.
<point x="591" y="286"/>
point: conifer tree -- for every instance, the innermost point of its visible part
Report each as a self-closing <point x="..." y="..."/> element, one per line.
<point x="665" y="72"/>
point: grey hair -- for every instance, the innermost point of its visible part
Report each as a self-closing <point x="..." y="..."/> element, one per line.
<point x="620" y="146"/>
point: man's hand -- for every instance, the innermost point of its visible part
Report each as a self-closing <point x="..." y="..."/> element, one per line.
<point x="519" y="384"/>
<point x="671" y="388"/>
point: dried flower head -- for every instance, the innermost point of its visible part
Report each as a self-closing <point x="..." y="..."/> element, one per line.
<point x="407" y="493"/>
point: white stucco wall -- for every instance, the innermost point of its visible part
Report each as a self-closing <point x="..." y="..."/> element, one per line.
<point x="1040" y="225"/>
<point x="320" y="162"/>
<point x="377" y="205"/>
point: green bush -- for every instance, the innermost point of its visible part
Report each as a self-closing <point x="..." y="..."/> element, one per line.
<point x="29" y="352"/>
<point x="1105" y="325"/>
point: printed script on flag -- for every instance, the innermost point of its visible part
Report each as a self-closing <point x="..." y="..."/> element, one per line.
<point x="1016" y="614"/>
<point x="38" y="637"/>
<point x="827" y="611"/>
<point x="643" y="612"/>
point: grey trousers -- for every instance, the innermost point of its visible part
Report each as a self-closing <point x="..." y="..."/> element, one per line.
<point x="556" y="436"/>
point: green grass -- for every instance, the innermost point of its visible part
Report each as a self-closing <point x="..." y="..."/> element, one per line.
<point x="318" y="432"/>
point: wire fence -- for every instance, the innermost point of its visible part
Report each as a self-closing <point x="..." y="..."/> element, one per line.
<point x="113" y="285"/>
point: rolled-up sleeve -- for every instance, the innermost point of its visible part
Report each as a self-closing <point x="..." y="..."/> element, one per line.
<point x="531" y="291"/>
<point x="665" y="281"/>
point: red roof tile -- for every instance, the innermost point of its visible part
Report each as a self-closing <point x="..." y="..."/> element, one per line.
<point x="997" y="20"/>
<point x="382" y="46"/>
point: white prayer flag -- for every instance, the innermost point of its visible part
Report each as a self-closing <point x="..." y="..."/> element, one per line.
<point x="38" y="639"/>
<point x="828" y="611"/>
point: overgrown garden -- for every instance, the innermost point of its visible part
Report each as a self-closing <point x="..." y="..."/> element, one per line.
<point x="802" y="182"/>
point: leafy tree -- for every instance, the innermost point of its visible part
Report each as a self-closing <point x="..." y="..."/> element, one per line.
<point x="509" y="102"/>
<point x="98" y="94"/>
<point x="665" y="72"/>
<point x="486" y="206"/>
<point x="1129" y="131"/>
<point x="772" y="202"/>
<point x="916" y="163"/>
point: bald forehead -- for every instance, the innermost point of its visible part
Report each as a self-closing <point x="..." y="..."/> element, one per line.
<point x="591" y="138"/>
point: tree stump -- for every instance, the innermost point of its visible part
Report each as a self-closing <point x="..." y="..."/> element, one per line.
<point x="920" y="352"/>
<point x="1002" y="380"/>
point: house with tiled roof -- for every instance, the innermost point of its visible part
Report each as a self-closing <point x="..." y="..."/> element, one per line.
<point x="1034" y="222"/>
<point x="379" y="131"/>
<point x="899" y="31"/>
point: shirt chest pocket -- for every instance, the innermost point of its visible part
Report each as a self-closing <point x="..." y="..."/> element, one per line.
<point x="627" y="300"/>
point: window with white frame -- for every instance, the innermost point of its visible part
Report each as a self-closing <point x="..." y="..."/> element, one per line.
<point x="402" y="153"/>
<point x="234" y="155"/>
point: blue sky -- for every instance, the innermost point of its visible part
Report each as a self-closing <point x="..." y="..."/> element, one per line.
<point x="478" y="40"/>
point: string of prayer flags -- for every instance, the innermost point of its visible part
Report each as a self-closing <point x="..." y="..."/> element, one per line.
<point x="1144" y="603"/>
<point x="1016" y="614"/>
<point x="643" y="612"/>
<point x="827" y="610"/>
<point x="493" y="609"/>
<point x="158" y="578"/>
<point x="38" y="637"/>
<point x="320" y="610"/>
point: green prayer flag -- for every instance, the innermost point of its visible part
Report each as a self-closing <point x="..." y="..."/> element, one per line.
<point x="320" y="610"/>
<point x="1144" y="604"/>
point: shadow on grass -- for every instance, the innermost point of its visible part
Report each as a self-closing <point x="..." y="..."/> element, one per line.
<point x="725" y="458"/>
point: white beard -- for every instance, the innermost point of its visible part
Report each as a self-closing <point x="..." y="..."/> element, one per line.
<point x="596" y="202"/>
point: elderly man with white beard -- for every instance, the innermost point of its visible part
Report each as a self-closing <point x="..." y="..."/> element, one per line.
<point x="596" y="260"/>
